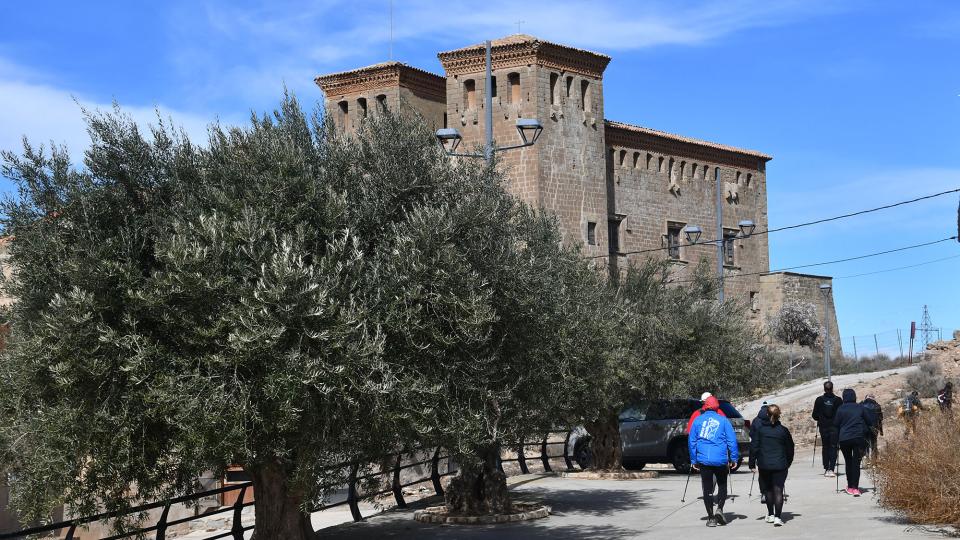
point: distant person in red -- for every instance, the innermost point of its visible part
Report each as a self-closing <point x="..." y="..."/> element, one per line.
<point x="707" y="400"/>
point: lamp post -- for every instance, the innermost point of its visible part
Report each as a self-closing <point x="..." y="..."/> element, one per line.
<point x="693" y="233"/>
<point x="528" y="128"/>
<point x="825" y="291"/>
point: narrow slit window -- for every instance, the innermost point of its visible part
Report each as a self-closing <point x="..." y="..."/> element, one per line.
<point x="493" y="87"/>
<point x="362" y="107"/>
<point x="674" y="230"/>
<point x="470" y="93"/>
<point x="382" y="102"/>
<point x="623" y="157"/>
<point x="591" y="233"/>
<point x="569" y="85"/>
<point x="585" y="97"/>
<point x="553" y="88"/>
<point x="344" y="113"/>
<point x="636" y="160"/>
<point x="514" y="80"/>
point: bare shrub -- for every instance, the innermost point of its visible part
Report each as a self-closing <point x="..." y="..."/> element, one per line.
<point x="796" y="322"/>
<point x="920" y="477"/>
<point x="927" y="380"/>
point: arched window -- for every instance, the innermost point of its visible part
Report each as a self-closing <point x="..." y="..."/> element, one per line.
<point x="738" y="178"/>
<point x="705" y="172"/>
<point x="569" y="85"/>
<point x="683" y="169"/>
<point x="670" y="170"/>
<point x="344" y="113"/>
<point x="636" y="160"/>
<point x="382" y="102"/>
<point x="749" y="179"/>
<point x="649" y="157"/>
<point x="470" y="93"/>
<point x="623" y="157"/>
<point x="553" y="88"/>
<point x="660" y="164"/>
<point x="514" y="80"/>
<point x="362" y="107"/>
<point x="693" y="171"/>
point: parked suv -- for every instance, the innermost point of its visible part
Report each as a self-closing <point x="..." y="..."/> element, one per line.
<point x="654" y="431"/>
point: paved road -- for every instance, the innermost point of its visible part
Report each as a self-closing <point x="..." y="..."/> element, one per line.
<point x="805" y="394"/>
<point x="602" y="510"/>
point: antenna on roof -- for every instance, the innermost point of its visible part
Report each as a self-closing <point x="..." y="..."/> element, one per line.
<point x="518" y="26"/>
<point x="391" y="30"/>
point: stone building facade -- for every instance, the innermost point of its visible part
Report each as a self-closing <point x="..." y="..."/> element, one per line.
<point x="781" y="288"/>
<point x="623" y="192"/>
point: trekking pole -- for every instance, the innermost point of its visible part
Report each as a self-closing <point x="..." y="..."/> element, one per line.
<point x="813" y="459"/>
<point x="838" y="469"/>
<point x="684" y="496"/>
<point x="752" y="478"/>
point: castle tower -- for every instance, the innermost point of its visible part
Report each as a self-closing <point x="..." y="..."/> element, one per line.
<point x="352" y="95"/>
<point x="560" y="86"/>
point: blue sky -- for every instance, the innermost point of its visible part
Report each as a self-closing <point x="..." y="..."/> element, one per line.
<point x="858" y="102"/>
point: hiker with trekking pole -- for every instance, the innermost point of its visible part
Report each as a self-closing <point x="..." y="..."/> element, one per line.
<point x="771" y="451"/>
<point x="824" y="409"/>
<point x="713" y="452"/>
<point x="853" y="422"/>
<point x="754" y="426"/>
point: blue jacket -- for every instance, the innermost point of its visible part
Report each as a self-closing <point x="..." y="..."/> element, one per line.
<point x="712" y="440"/>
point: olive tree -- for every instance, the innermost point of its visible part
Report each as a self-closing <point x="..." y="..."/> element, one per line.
<point x="285" y="297"/>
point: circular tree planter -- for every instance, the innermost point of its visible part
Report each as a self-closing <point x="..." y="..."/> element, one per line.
<point x="608" y="475"/>
<point x="522" y="512"/>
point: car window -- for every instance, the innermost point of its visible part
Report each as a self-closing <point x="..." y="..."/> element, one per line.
<point x="679" y="408"/>
<point x="634" y="413"/>
<point x="729" y="410"/>
<point x="658" y="410"/>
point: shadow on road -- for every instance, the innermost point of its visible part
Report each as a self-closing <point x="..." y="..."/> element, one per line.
<point x="595" y="502"/>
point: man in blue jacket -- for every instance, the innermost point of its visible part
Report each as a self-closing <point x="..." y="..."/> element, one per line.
<point x="713" y="452"/>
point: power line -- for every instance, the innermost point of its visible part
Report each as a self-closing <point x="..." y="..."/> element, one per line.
<point x="847" y="259"/>
<point x="798" y="225"/>
<point x="898" y="268"/>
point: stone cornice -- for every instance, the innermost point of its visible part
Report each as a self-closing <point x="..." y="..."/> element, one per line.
<point x="625" y="135"/>
<point x="524" y="50"/>
<point x="367" y="79"/>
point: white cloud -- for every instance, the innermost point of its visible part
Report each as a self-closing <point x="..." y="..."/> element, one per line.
<point x="46" y="114"/>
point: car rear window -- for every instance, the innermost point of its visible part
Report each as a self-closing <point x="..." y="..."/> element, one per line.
<point x="729" y="410"/>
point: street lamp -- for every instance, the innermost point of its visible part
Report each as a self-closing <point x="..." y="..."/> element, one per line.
<point x="825" y="291"/>
<point x="746" y="228"/>
<point x="692" y="233"/>
<point x="528" y="128"/>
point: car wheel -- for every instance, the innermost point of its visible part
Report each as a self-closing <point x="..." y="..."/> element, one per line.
<point x="582" y="454"/>
<point x="680" y="458"/>
<point x="634" y="465"/>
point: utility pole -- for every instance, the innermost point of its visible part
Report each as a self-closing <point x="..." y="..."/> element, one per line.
<point x="926" y="330"/>
<point x="488" y="103"/>
<point x="720" y="239"/>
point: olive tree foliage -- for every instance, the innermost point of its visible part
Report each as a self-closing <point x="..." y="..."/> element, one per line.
<point x="797" y="322"/>
<point x="284" y="298"/>
<point x="676" y="340"/>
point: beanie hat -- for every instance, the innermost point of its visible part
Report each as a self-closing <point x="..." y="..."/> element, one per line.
<point x="704" y="396"/>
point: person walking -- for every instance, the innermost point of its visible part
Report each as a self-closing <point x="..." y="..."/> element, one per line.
<point x="909" y="411"/>
<point x="713" y="452"/>
<point x="824" y="409"/>
<point x="772" y="452"/>
<point x="945" y="398"/>
<point x="853" y="422"/>
<point x="754" y="427"/>
<point x="698" y="412"/>
<point x="876" y="428"/>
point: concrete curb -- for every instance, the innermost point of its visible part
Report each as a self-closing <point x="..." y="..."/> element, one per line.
<point x="591" y="475"/>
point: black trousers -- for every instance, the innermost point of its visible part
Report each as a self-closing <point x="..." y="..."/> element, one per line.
<point x="852" y="454"/>
<point x="871" y="447"/>
<point x="828" y="435"/>
<point x="763" y="482"/>
<point x="774" y="480"/>
<point x="709" y="473"/>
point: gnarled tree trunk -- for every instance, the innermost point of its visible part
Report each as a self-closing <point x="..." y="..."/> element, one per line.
<point x="605" y="443"/>
<point x="278" y="506"/>
<point x="479" y="487"/>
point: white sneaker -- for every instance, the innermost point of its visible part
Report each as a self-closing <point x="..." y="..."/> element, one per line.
<point x="777" y="522"/>
<point x="770" y="518"/>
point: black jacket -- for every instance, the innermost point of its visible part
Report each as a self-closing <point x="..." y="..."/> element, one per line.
<point x="772" y="447"/>
<point x="876" y="414"/>
<point x="852" y="419"/>
<point x="825" y="408"/>
<point x="755" y="424"/>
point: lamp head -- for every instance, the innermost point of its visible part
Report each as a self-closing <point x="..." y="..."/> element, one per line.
<point x="449" y="135"/>
<point x="746" y="227"/>
<point x="692" y="233"/>
<point x="529" y="129"/>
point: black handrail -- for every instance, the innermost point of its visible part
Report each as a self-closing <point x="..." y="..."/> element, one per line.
<point x="353" y="497"/>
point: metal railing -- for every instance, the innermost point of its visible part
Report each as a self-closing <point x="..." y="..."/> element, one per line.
<point x="353" y="499"/>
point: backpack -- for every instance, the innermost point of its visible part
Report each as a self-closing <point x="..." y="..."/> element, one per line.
<point x="909" y="406"/>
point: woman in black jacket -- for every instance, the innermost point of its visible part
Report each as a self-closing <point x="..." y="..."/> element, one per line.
<point x="772" y="451"/>
<point x="853" y="421"/>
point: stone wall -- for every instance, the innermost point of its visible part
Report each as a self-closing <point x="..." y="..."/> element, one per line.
<point x="781" y="288"/>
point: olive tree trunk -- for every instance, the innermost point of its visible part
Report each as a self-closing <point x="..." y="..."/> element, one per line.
<point x="479" y="487"/>
<point x="278" y="507"/>
<point x="605" y="443"/>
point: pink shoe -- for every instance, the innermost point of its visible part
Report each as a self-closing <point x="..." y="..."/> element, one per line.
<point x="850" y="491"/>
<point x="857" y="492"/>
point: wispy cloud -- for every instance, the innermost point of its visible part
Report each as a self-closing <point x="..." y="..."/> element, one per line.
<point x="45" y="114"/>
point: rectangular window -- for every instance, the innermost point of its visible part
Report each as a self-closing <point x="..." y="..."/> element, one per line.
<point x="585" y="97"/>
<point x="554" y="99"/>
<point x="344" y="113"/>
<point x="754" y="301"/>
<point x="674" y="230"/>
<point x="613" y="232"/>
<point x="591" y="233"/>
<point x="729" y="236"/>
<point x="493" y="87"/>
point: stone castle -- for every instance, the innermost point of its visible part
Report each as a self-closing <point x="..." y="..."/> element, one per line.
<point x="624" y="192"/>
